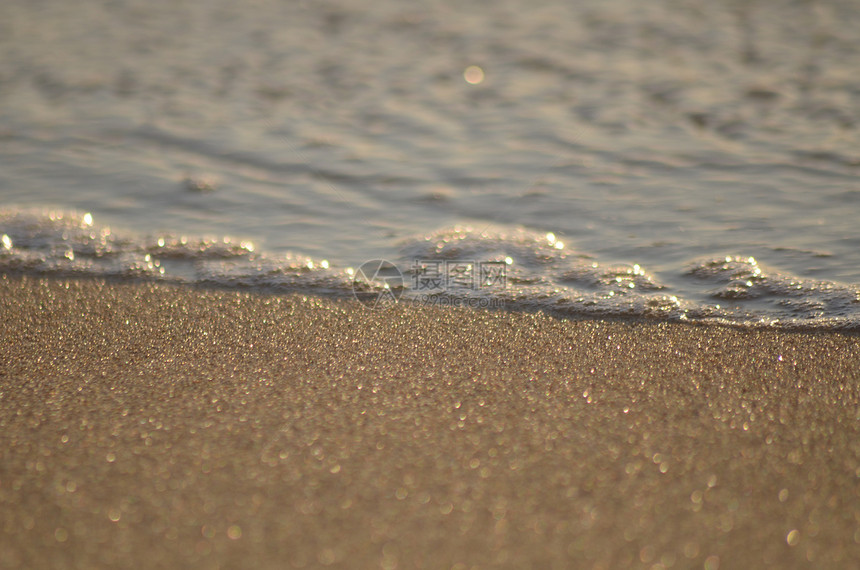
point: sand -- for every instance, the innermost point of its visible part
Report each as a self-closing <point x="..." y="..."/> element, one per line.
<point x="153" y="426"/>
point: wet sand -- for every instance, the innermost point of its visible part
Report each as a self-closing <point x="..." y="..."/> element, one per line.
<point x="156" y="426"/>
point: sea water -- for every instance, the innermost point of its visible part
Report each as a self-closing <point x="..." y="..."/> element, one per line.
<point x="683" y="160"/>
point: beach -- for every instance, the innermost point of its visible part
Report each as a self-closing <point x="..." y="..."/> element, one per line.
<point x="647" y="213"/>
<point x="156" y="426"/>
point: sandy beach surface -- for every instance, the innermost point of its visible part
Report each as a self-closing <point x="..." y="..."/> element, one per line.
<point x="154" y="426"/>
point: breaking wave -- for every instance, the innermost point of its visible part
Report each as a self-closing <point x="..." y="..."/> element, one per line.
<point x="529" y="270"/>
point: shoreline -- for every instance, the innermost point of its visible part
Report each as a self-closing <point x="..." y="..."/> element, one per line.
<point x="223" y="428"/>
<point x="442" y="302"/>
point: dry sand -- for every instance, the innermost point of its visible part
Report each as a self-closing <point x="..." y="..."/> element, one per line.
<point x="154" y="426"/>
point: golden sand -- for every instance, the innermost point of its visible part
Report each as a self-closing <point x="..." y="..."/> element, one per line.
<point x="156" y="426"/>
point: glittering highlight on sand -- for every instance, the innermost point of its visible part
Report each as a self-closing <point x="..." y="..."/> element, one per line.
<point x="198" y="427"/>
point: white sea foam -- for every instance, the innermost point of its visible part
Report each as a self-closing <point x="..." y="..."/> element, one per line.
<point x="540" y="273"/>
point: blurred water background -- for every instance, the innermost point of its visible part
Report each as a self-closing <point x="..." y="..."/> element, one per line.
<point x="684" y="158"/>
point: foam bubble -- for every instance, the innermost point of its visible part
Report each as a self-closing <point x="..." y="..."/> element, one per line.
<point x="515" y="268"/>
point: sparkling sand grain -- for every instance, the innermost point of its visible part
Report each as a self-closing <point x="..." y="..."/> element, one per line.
<point x="156" y="426"/>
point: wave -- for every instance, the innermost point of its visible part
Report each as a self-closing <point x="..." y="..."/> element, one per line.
<point x="515" y="268"/>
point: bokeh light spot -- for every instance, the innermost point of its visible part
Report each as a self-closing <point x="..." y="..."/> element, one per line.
<point x="473" y="74"/>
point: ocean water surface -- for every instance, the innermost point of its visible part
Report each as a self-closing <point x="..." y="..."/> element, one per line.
<point x="680" y="159"/>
